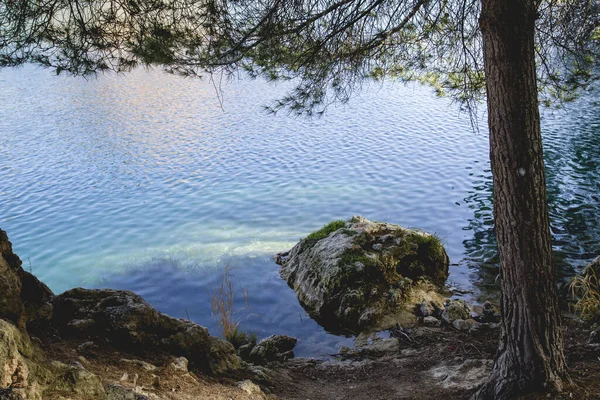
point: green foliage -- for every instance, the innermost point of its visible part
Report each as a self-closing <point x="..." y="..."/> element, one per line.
<point x="415" y="255"/>
<point x="326" y="230"/>
<point x="351" y="257"/>
<point x="328" y="47"/>
<point x="585" y="289"/>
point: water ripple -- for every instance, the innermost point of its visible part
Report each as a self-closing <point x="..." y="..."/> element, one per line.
<point x="102" y="178"/>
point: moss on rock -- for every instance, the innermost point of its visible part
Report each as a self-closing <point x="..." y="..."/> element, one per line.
<point x="344" y="273"/>
<point x="326" y="230"/>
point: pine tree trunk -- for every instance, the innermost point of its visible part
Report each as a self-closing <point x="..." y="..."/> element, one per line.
<point x="530" y="357"/>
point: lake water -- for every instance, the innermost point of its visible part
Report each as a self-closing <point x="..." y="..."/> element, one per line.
<point x="144" y="182"/>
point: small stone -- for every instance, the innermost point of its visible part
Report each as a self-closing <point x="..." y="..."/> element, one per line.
<point x="381" y="346"/>
<point x="426" y="309"/>
<point x="478" y="327"/>
<point x="431" y="322"/>
<point x="466" y="375"/>
<point x="260" y="374"/>
<point x="455" y="309"/>
<point x="180" y="364"/>
<point x="249" y="387"/>
<point x="118" y="392"/>
<point x="462" y="324"/>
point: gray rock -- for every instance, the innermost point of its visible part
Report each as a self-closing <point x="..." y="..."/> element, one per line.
<point x="426" y="309"/>
<point x="273" y="348"/>
<point x="15" y="351"/>
<point x="462" y="324"/>
<point x="431" y="322"/>
<point x="127" y="321"/>
<point x="250" y="387"/>
<point x="118" y="392"/>
<point x="380" y="347"/>
<point x="261" y="374"/>
<point x="349" y="274"/>
<point x="478" y="327"/>
<point x="180" y="364"/>
<point x="467" y="375"/>
<point x="77" y="380"/>
<point x="455" y="309"/>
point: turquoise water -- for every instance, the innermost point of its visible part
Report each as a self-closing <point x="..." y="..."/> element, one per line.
<point x="145" y="182"/>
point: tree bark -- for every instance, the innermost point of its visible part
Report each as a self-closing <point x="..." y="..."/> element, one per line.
<point x="530" y="357"/>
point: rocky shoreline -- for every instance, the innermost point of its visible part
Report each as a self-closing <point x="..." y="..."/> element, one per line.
<point x="111" y="345"/>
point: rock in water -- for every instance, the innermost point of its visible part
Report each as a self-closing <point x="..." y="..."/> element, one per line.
<point x="349" y="275"/>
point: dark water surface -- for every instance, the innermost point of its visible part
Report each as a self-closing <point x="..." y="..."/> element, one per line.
<point x="143" y="182"/>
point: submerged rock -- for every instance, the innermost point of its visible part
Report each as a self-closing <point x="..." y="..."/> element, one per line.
<point x="350" y="275"/>
<point x="126" y="320"/>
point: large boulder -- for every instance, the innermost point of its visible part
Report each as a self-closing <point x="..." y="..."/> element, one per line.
<point x="351" y="274"/>
<point x="126" y="320"/>
<point x="23" y="298"/>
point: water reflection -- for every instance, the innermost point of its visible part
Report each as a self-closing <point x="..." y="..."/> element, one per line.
<point x="573" y="163"/>
<point x="183" y="290"/>
<point x="572" y="157"/>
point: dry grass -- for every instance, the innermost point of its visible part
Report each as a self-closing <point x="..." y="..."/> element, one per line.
<point x="228" y="319"/>
<point x="585" y="289"/>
